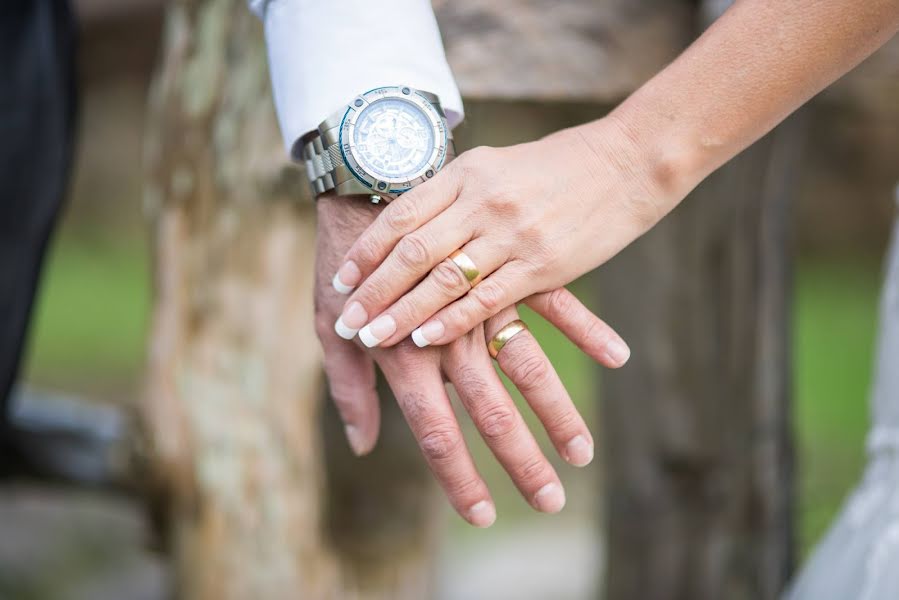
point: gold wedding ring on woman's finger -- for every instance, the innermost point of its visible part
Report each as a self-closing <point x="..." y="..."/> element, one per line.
<point x="467" y="266"/>
<point x="503" y="336"/>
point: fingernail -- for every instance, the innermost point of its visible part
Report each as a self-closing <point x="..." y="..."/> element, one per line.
<point x="354" y="437"/>
<point x="343" y="331"/>
<point x="482" y="514"/>
<point x="353" y="318"/>
<point x="618" y="352"/>
<point x="428" y="333"/>
<point x="550" y="498"/>
<point x="377" y="331"/>
<point x="579" y="450"/>
<point x="346" y="278"/>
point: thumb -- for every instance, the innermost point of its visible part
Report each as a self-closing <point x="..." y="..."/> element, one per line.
<point x="351" y="382"/>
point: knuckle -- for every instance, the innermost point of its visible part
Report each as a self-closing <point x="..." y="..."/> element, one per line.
<point x="532" y="237"/>
<point x="504" y="205"/>
<point x="528" y="372"/>
<point x="540" y="250"/>
<point x="559" y="302"/>
<point x="406" y="312"/>
<point x="440" y="441"/>
<point x="401" y="215"/>
<point x="532" y="470"/>
<point x="592" y="331"/>
<point x="374" y="292"/>
<point x="408" y="354"/>
<point x="497" y="422"/>
<point x="367" y="251"/>
<point x="414" y="405"/>
<point x="470" y="383"/>
<point x="414" y="252"/>
<point x="596" y="335"/>
<point x="449" y="278"/>
<point x="489" y="296"/>
<point x="564" y="421"/>
<point x="466" y="486"/>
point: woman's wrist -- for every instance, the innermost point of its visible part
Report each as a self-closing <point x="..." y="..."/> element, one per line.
<point x="665" y="165"/>
<point x="644" y="178"/>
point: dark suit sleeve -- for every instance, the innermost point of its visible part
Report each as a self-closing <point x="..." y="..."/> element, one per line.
<point x="37" y="114"/>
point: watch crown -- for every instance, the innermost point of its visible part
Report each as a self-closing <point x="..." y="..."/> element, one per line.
<point x="375" y="199"/>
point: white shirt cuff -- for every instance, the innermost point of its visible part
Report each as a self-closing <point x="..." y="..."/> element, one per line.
<point x="322" y="53"/>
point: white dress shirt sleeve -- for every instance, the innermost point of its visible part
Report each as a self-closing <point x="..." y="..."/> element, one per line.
<point x="322" y="53"/>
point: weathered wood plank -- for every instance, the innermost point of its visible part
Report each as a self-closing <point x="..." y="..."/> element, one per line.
<point x="697" y="434"/>
<point x="551" y="50"/>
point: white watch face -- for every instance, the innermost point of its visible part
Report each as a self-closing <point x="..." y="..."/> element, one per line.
<point x="393" y="139"/>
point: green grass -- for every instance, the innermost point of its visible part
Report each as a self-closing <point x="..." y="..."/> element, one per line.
<point x="836" y="309"/>
<point x="94" y="302"/>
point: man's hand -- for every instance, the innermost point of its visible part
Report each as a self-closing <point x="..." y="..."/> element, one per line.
<point x="416" y="376"/>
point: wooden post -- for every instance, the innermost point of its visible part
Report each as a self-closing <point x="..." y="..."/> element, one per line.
<point x="696" y="428"/>
<point x="254" y="506"/>
<point x="698" y="488"/>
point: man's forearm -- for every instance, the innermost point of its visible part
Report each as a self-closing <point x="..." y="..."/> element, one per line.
<point x="754" y="66"/>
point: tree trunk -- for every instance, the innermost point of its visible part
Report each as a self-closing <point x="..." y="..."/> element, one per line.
<point x="255" y="506"/>
<point x="697" y="434"/>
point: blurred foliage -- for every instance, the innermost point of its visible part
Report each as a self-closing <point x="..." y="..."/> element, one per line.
<point x="836" y="320"/>
<point x="91" y="320"/>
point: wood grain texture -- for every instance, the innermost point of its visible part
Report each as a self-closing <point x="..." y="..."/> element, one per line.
<point x="586" y="50"/>
<point x="698" y="450"/>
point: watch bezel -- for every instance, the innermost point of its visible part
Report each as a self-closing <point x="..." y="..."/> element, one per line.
<point x="386" y="185"/>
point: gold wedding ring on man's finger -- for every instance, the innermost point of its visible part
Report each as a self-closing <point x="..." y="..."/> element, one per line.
<point x="503" y="336"/>
<point x="467" y="266"/>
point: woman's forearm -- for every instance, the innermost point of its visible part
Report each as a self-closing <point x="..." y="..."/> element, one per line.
<point x="754" y="66"/>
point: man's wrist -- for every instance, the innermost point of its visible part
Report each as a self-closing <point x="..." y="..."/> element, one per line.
<point x="354" y="208"/>
<point x="344" y="217"/>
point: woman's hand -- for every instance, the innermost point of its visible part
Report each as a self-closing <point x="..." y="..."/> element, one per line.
<point x="531" y="218"/>
<point x="417" y="380"/>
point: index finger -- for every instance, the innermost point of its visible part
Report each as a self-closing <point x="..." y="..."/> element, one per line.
<point x="421" y="395"/>
<point x="404" y="215"/>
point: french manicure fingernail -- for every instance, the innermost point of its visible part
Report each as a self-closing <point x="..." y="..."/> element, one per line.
<point x="343" y="331"/>
<point x="482" y="514"/>
<point x="618" y="352"/>
<point x="579" y="450"/>
<point x="346" y="278"/>
<point x="420" y="340"/>
<point x="353" y="318"/>
<point x="550" y="498"/>
<point x="428" y="333"/>
<point x="354" y="437"/>
<point x="377" y="331"/>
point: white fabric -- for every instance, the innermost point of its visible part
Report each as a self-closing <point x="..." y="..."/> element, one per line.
<point x="322" y="53"/>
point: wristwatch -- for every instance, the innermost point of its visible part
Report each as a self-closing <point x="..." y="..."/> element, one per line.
<point x="383" y="143"/>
